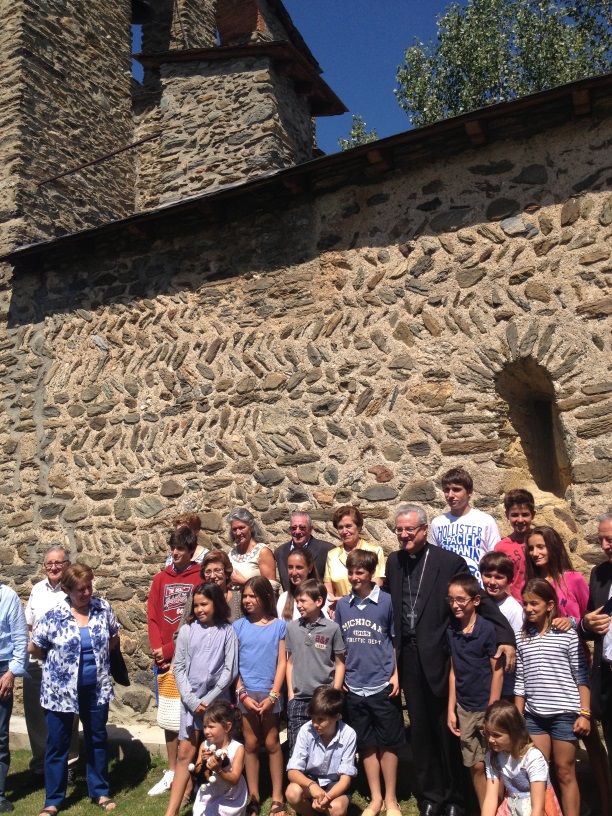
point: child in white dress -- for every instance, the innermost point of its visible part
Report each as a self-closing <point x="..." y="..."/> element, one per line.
<point x="227" y="794"/>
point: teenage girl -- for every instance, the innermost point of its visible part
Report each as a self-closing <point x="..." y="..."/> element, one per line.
<point x="227" y="795"/>
<point x="514" y="767"/>
<point x="261" y="674"/>
<point x="205" y="664"/>
<point x="300" y="567"/>
<point x="547" y="558"/>
<point x="552" y="687"/>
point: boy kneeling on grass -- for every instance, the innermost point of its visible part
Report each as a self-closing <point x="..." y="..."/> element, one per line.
<point x="323" y="760"/>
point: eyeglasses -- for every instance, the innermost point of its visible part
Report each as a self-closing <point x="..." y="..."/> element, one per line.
<point x="50" y="564"/>
<point x="210" y="572"/>
<point x="409" y="530"/>
<point x="460" y="602"/>
<point x="295" y="527"/>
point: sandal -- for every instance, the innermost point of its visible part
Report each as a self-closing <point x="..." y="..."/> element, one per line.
<point x="50" y="811"/>
<point x="252" y="809"/>
<point x="278" y="807"/>
<point x="185" y="803"/>
<point x="106" y="804"/>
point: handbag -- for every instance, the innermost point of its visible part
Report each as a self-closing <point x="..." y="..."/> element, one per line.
<point x="169" y="702"/>
<point x="118" y="669"/>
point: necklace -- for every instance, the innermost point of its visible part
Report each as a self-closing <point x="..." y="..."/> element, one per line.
<point x="412" y="616"/>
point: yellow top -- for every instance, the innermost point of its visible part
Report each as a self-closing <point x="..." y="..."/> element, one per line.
<point x="335" y="567"/>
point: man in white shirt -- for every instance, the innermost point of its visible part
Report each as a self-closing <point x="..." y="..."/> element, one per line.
<point x="44" y="596"/>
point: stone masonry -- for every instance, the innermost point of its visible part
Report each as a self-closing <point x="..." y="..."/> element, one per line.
<point x="347" y="342"/>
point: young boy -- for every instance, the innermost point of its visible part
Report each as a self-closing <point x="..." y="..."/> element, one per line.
<point x="323" y="762"/>
<point x="366" y="620"/>
<point x="520" y="512"/>
<point x="464" y="530"/>
<point x="497" y="571"/>
<point x="315" y="655"/>
<point x="475" y="679"/>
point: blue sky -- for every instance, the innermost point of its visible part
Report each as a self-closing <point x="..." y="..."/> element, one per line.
<point x="359" y="45"/>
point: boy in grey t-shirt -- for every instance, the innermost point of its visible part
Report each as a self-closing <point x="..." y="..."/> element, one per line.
<point x="315" y="655"/>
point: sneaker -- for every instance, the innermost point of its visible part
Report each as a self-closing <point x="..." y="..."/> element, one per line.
<point x="70" y="781"/>
<point x="164" y="784"/>
<point x="6" y="806"/>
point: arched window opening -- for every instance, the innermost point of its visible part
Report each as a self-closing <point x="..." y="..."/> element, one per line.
<point x="528" y="390"/>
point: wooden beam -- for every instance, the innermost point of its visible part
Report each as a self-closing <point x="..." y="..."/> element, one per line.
<point x="476" y="132"/>
<point x="581" y="101"/>
<point x="379" y="160"/>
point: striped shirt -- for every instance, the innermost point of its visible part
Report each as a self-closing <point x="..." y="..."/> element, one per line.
<point x="549" y="670"/>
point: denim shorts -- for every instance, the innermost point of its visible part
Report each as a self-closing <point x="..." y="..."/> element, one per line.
<point x="559" y="727"/>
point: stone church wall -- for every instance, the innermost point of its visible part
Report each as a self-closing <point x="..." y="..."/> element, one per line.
<point x="347" y="349"/>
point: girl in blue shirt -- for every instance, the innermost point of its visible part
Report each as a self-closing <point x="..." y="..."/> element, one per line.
<point x="261" y="674"/>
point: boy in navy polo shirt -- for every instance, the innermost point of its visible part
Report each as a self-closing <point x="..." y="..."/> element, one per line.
<point x="476" y="677"/>
<point x="373" y="705"/>
<point x="315" y="655"/>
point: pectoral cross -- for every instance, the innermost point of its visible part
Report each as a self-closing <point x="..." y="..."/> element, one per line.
<point x="412" y="616"/>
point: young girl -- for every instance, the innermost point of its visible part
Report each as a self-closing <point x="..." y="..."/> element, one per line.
<point x="548" y="559"/>
<point x="300" y="567"/>
<point x="205" y="664"/>
<point x="227" y="795"/>
<point x="515" y="767"/>
<point x="261" y="674"/>
<point x="552" y="687"/>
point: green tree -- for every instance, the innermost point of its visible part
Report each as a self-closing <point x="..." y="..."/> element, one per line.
<point x="491" y="51"/>
<point x="358" y="134"/>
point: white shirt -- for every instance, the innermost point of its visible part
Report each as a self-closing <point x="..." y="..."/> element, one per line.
<point x="470" y="536"/>
<point x="43" y="597"/>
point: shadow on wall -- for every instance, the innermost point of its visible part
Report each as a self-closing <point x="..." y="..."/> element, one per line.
<point x="528" y="390"/>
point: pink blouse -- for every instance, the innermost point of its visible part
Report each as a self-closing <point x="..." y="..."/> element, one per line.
<point x="572" y="595"/>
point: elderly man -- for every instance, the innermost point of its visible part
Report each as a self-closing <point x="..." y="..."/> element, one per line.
<point x="300" y="528"/>
<point x="595" y="625"/>
<point x="417" y="578"/>
<point x="43" y="597"/>
<point x="13" y="663"/>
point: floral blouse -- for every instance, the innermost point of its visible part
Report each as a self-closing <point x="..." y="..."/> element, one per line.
<point x="57" y="634"/>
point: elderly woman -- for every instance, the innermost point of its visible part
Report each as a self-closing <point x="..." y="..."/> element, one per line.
<point x="249" y="556"/>
<point x="217" y="568"/>
<point x="348" y="522"/>
<point x="74" y="639"/>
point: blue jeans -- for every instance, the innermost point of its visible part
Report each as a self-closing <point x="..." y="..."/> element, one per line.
<point x="59" y="731"/>
<point x="6" y="709"/>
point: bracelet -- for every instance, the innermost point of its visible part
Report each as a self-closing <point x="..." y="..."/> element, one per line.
<point x="311" y="783"/>
<point x="274" y="695"/>
<point x="585" y="713"/>
<point x="573" y="620"/>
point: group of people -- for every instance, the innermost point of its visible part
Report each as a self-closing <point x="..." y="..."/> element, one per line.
<point x="484" y="636"/>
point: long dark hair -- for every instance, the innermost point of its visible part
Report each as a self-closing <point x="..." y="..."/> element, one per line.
<point x="215" y="594"/>
<point x="305" y="554"/>
<point x="558" y="559"/>
<point x="262" y="589"/>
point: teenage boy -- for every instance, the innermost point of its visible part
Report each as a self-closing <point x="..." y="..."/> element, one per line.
<point x="315" y="655"/>
<point x="475" y="677"/>
<point x="497" y="571"/>
<point x="464" y="530"/>
<point x="520" y="512"/>
<point x="169" y="592"/>
<point x="366" y="620"/>
<point x="323" y="762"/>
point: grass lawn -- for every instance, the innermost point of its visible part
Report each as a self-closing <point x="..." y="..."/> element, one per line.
<point x="131" y="776"/>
